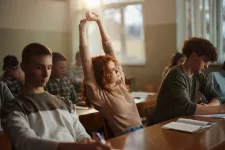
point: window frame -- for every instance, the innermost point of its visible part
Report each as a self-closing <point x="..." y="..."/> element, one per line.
<point x="121" y="5"/>
<point x="215" y="32"/>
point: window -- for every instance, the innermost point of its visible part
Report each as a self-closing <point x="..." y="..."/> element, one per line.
<point x="203" y="18"/>
<point x="123" y="21"/>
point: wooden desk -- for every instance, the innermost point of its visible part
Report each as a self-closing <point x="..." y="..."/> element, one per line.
<point x="4" y="142"/>
<point x="156" y="138"/>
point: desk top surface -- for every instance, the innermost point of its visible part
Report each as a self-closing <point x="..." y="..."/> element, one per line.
<point x="154" y="137"/>
<point x="85" y="110"/>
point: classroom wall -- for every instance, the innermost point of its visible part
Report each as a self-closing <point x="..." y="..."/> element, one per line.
<point x="48" y="22"/>
<point x="26" y="21"/>
<point x="160" y="42"/>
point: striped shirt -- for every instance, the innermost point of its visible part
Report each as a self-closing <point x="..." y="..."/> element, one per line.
<point x="41" y="121"/>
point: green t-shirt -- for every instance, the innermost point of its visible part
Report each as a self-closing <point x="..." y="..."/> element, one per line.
<point x="177" y="94"/>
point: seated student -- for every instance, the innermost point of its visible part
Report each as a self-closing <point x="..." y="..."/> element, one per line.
<point x="104" y="83"/>
<point x="177" y="94"/>
<point x="58" y="83"/>
<point x="5" y="95"/>
<point x="37" y="120"/>
<point x="218" y="81"/>
<point x="177" y="59"/>
<point x="11" y="76"/>
<point x="76" y="73"/>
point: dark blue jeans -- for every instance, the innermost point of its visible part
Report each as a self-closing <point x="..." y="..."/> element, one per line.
<point x="132" y="129"/>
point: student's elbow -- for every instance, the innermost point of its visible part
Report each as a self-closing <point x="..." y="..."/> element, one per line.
<point x="185" y="109"/>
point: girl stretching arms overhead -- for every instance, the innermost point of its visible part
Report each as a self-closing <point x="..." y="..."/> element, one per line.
<point x="104" y="83"/>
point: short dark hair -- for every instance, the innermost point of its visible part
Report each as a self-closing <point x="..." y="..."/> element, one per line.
<point x="34" y="49"/>
<point x="57" y="57"/>
<point x="10" y="61"/>
<point x="200" y="46"/>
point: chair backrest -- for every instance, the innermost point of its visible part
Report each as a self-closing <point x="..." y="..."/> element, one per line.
<point x="148" y="112"/>
<point x="4" y="141"/>
<point x="108" y="132"/>
<point x="152" y="87"/>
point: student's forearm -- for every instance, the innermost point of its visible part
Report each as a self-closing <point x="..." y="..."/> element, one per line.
<point x="107" y="47"/>
<point x="104" y="35"/>
<point x="85" y="54"/>
<point x="214" y="102"/>
<point x="204" y="110"/>
<point x="82" y="36"/>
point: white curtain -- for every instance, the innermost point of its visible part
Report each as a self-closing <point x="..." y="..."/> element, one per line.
<point x="201" y="18"/>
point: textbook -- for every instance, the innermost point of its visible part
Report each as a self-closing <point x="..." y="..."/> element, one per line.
<point x="188" y="125"/>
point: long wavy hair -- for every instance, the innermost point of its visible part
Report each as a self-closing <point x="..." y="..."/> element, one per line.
<point x="176" y="57"/>
<point x="101" y="74"/>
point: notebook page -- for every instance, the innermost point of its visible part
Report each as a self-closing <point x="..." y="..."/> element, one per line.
<point x="192" y="122"/>
<point x="182" y="127"/>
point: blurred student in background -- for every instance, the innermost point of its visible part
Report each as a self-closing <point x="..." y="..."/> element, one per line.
<point x="177" y="59"/>
<point x="75" y="73"/>
<point x="218" y="81"/>
<point x="11" y="76"/>
<point x="58" y="83"/>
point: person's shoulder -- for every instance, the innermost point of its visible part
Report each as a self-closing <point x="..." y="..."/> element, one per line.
<point x="216" y="75"/>
<point x="200" y="75"/>
<point x="176" y="72"/>
<point x="12" y="105"/>
<point x="2" y="85"/>
<point x="221" y="73"/>
<point x="65" y="78"/>
<point x="57" y="98"/>
<point x="50" y="96"/>
<point x="70" y="106"/>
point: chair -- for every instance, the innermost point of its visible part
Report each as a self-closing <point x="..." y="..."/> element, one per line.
<point x="152" y="88"/>
<point x="4" y="141"/>
<point x="148" y="112"/>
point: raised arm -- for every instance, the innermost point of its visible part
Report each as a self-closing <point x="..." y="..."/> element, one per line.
<point x="106" y="44"/>
<point x="84" y="52"/>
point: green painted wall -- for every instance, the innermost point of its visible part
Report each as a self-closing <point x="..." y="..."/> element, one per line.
<point x="12" y="41"/>
<point x="160" y="44"/>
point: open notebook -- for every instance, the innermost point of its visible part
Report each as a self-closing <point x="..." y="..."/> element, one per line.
<point x="187" y="125"/>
